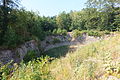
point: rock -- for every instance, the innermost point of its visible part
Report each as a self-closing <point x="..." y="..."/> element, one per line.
<point x="18" y="54"/>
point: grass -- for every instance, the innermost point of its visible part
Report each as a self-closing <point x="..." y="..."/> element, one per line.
<point x="96" y="61"/>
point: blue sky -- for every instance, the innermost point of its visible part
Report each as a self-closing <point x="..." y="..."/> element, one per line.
<point x="53" y="7"/>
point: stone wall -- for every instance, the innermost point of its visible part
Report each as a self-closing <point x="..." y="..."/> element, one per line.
<point x="18" y="54"/>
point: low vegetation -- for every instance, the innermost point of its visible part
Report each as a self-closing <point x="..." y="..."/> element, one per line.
<point x="77" y="33"/>
<point x="97" y="60"/>
<point x="59" y="32"/>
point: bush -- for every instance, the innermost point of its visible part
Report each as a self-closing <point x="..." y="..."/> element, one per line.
<point x="76" y="33"/>
<point x="84" y="31"/>
<point x="54" y="31"/>
<point x="11" y="39"/>
<point x="106" y="32"/>
<point x="5" y="71"/>
<point x="64" y="32"/>
<point x="95" y="33"/>
<point x="56" y="40"/>
<point x="33" y="70"/>
<point x="59" y="32"/>
<point x="30" y="56"/>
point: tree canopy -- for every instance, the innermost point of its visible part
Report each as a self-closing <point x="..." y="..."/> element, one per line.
<point x="18" y="25"/>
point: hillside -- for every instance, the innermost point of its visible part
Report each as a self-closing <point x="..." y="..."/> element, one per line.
<point x="95" y="61"/>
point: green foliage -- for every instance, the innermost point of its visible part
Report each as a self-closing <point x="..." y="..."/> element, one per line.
<point x="56" y="40"/>
<point x="27" y="25"/>
<point x="59" y="31"/>
<point x="107" y="12"/>
<point x="10" y="37"/>
<point x="63" y="21"/>
<point x="5" y="71"/>
<point x="95" y="33"/>
<point x="33" y="70"/>
<point x="48" y="23"/>
<point x="76" y="33"/>
<point x="54" y="31"/>
<point x="31" y="55"/>
<point x="106" y="32"/>
<point x="23" y="26"/>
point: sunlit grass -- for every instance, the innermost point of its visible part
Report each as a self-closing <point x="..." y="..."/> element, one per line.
<point x="90" y="62"/>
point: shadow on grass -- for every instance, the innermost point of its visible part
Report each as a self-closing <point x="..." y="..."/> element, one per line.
<point x="57" y="52"/>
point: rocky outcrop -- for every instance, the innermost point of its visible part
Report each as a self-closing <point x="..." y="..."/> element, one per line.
<point x="18" y="54"/>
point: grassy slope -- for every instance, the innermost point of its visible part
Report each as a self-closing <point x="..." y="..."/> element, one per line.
<point x="94" y="61"/>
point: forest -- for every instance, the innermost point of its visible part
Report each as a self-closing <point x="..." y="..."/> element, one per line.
<point x="18" y="25"/>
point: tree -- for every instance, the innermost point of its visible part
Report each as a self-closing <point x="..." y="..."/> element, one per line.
<point x="48" y="23"/>
<point x="107" y="8"/>
<point x="63" y="20"/>
<point x="6" y="6"/>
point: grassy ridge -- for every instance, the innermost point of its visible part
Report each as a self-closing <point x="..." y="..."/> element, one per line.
<point x="95" y="61"/>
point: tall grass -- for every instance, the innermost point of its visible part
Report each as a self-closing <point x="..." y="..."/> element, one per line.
<point x="95" y="61"/>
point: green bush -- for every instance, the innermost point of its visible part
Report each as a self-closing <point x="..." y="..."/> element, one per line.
<point x="11" y="39"/>
<point x="95" y="33"/>
<point x="106" y="32"/>
<point x="30" y="56"/>
<point x="33" y="70"/>
<point x="76" y="33"/>
<point x="5" y="71"/>
<point x="56" y="40"/>
<point x="54" y="31"/>
<point x="59" y="32"/>
<point x="84" y="31"/>
<point x="64" y="32"/>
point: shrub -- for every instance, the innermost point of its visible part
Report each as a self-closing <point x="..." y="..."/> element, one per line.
<point x="94" y="33"/>
<point x="64" y="32"/>
<point x="84" y="31"/>
<point x="76" y="33"/>
<point x="33" y="70"/>
<point x="30" y="56"/>
<point x="59" y="32"/>
<point x="106" y="32"/>
<point x="5" y="71"/>
<point x="56" y="40"/>
<point x="54" y="31"/>
<point x="11" y="39"/>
